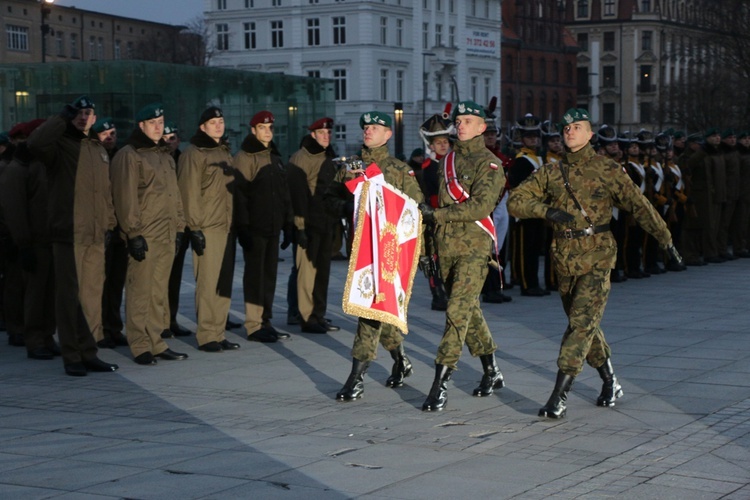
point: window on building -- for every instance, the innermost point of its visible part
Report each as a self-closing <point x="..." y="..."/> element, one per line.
<point x="583" y="41"/>
<point x="608" y="76"/>
<point x="451" y="6"/>
<point x="555" y="105"/>
<point x="646" y="78"/>
<point x="439" y="86"/>
<point x="542" y="70"/>
<point x="313" y="32"/>
<point x="425" y="35"/>
<point x="383" y="84"/>
<point x="474" y="86"/>
<point x="313" y="1"/>
<point x="277" y="33"/>
<point x="400" y="85"/>
<point x="100" y="48"/>
<point x="384" y="31"/>
<point x="486" y="9"/>
<point x="509" y="73"/>
<point x="647" y="38"/>
<point x="74" y="46"/>
<point x="646" y="112"/>
<point x="569" y="73"/>
<point x="18" y="37"/>
<point x="555" y="71"/>
<point x="129" y="50"/>
<point x="60" y="43"/>
<point x="609" y="8"/>
<point x="608" y="112"/>
<point x="582" y="79"/>
<point x="451" y="36"/>
<point x="250" y="35"/>
<point x="645" y="5"/>
<point x="92" y="48"/>
<point x="529" y="102"/>
<point x="339" y="84"/>
<point x="399" y="32"/>
<point x="340" y="132"/>
<point x="438" y="35"/>
<point x="314" y="73"/>
<point x="487" y="82"/>
<point x="221" y="4"/>
<point x="222" y="36"/>
<point x="582" y="8"/>
<point x="609" y="41"/>
<point x="530" y="69"/>
<point x="339" y="30"/>
<point x="439" y="5"/>
<point x="249" y="4"/>
<point x="543" y="105"/>
<point x="275" y="3"/>
<point x="118" y="49"/>
<point x="510" y="104"/>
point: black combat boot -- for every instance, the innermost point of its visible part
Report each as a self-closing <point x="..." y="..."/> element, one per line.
<point x="555" y="407"/>
<point x="355" y="385"/>
<point x="401" y="368"/>
<point x="438" y="396"/>
<point x="492" y="379"/>
<point x="611" y="389"/>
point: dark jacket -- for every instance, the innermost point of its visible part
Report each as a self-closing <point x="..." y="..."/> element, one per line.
<point x="310" y="171"/>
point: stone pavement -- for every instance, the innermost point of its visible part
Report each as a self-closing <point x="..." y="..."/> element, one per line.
<point x="262" y="422"/>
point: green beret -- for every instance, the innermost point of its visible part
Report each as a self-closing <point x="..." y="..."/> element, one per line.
<point x="679" y="134"/>
<point x="469" y="108"/>
<point x="170" y="128"/>
<point x="727" y="133"/>
<point x="696" y="137"/>
<point x="375" y="118"/>
<point x="712" y="131"/>
<point x="4" y="138"/>
<point x="575" y="115"/>
<point x="102" y="125"/>
<point x="742" y="134"/>
<point x="83" y="102"/>
<point x="150" y="111"/>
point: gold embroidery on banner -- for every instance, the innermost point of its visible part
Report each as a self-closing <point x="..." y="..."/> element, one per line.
<point x="391" y="251"/>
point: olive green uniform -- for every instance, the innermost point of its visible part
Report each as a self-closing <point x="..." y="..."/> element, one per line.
<point x="465" y="248"/>
<point x="583" y="263"/>
<point x="399" y="175"/>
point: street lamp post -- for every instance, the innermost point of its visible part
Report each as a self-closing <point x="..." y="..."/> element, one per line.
<point x="424" y="82"/>
<point x="398" y="111"/>
<point x="45" y="9"/>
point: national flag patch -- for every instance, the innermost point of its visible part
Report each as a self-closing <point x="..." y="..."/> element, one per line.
<point x="411" y="173"/>
<point x="493" y="166"/>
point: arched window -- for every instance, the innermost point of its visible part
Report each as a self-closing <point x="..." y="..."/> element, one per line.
<point x="529" y="102"/>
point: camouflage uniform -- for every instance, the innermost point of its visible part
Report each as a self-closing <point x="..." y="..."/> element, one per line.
<point x="465" y="248"/>
<point x="400" y="176"/>
<point x="583" y="263"/>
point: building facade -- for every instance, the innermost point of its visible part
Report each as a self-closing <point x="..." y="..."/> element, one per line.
<point x="539" y="61"/>
<point x="632" y="53"/>
<point x="35" y="31"/>
<point x="408" y="57"/>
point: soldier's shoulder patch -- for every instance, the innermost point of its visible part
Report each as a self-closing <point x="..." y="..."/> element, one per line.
<point x="493" y="166"/>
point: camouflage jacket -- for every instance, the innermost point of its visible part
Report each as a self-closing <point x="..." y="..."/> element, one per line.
<point x="599" y="184"/>
<point x="481" y="174"/>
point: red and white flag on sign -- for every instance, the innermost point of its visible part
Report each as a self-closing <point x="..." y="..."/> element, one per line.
<point x="385" y="252"/>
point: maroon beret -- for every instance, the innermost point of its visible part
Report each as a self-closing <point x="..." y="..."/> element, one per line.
<point x="29" y="127"/>
<point x="261" y="117"/>
<point x="16" y="130"/>
<point x="322" y="123"/>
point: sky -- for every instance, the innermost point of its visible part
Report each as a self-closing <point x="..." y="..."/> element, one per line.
<point x="160" y="11"/>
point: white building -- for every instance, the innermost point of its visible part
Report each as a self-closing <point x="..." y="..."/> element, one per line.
<point x="380" y="54"/>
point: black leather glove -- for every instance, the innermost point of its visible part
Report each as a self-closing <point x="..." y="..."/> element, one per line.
<point x="68" y="113"/>
<point x="245" y="238"/>
<point x="424" y="263"/>
<point x="300" y="238"/>
<point x="178" y="242"/>
<point x="27" y="259"/>
<point x="109" y="235"/>
<point x="674" y="255"/>
<point x="137" y="248"/>
<point x="198" y="242"/>
<point x="428" y="213"/>
<point x="559" y="216"/>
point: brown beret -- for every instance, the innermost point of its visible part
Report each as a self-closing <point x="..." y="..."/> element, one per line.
<point x="261" y="117"/>
<point x="322" y="123"/>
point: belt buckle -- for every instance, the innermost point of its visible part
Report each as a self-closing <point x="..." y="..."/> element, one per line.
<point x="589" y="231"/>
<point x="568" y="234"/>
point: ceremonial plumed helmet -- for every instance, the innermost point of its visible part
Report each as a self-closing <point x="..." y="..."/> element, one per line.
<point x="490" y="117"/>
<point x="438" y="124"/>
<point x="645" y="138"/>
<point x="528" y="123"/>
<point x="549" y="129"/>
<point x="663" y="141"/>
<point x="606" y="134"/>
<point x="624" y="139"/>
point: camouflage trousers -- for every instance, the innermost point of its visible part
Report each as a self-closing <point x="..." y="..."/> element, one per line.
<point x="584" y="299"/>
<point x="369" y="332"/>
<point x="464" y="323"/>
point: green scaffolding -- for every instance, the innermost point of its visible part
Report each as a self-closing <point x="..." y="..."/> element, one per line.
<point x="120" y="88"/>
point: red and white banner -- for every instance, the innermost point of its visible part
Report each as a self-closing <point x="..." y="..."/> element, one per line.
<point x="385" y="251"/>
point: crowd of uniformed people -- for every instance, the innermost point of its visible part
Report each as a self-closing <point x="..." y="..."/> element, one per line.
<point x="84" y="222"/>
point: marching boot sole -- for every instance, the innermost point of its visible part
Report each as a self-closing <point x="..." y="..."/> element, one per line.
<point x="345" y="399"/>
<point x="483" y="394"/>
<point x="544" y="413"/>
